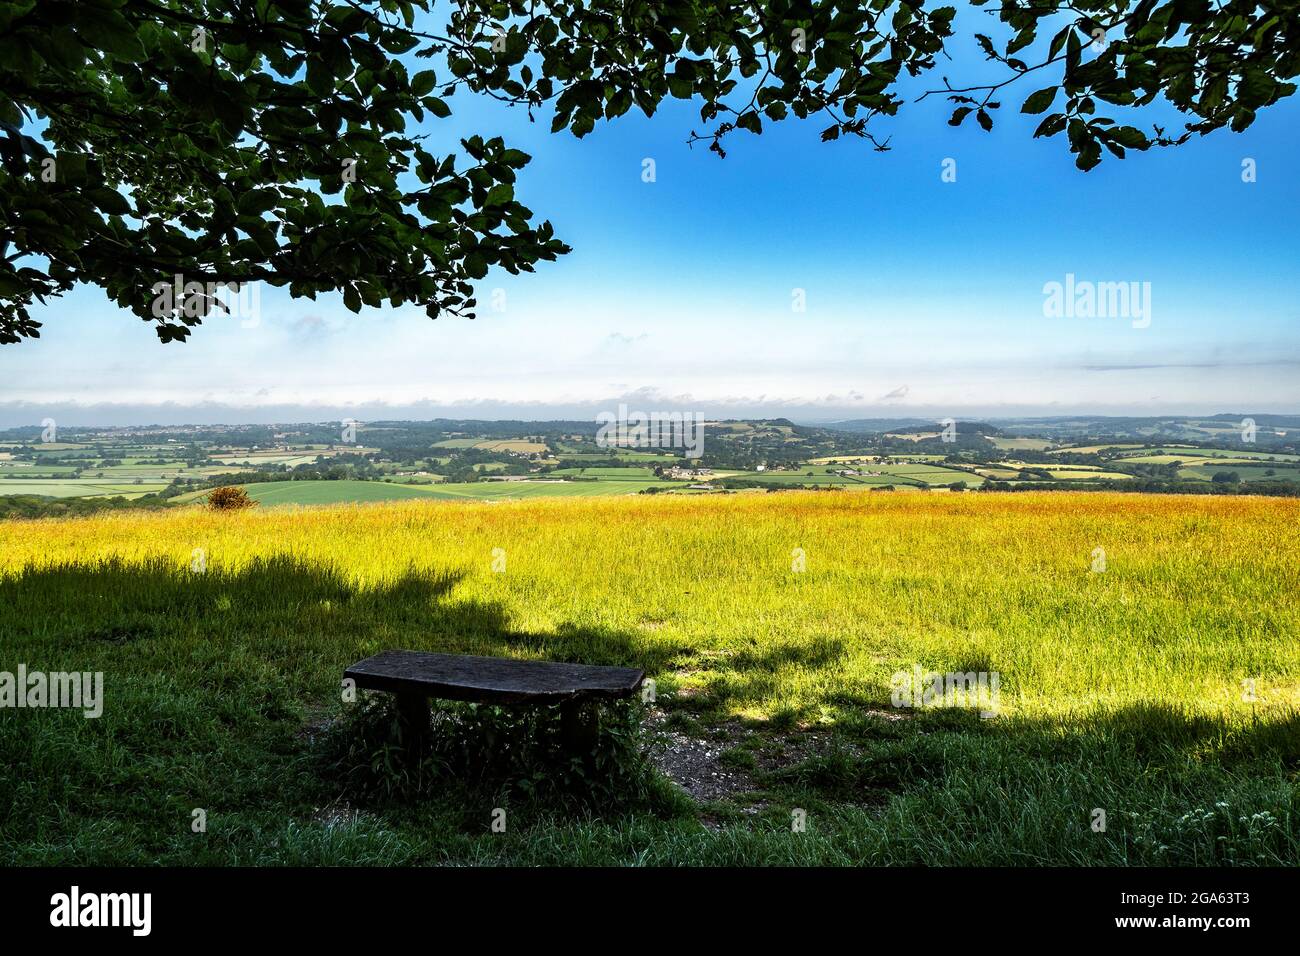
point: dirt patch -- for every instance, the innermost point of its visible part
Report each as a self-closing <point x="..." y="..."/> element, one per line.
<point x="317" y="723"/>
<point x="707" y="768"/>
<point x="695" y="764"/>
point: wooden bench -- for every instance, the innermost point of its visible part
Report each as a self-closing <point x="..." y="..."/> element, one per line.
<point x="415" y="676"/>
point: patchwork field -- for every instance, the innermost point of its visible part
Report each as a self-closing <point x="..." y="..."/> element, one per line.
<point x="515" y="445"/>
<point x="78" y="488"/>
<point x="904" y="473"/>
<point x="271" y="493"/>
<point x="1174" y="453"/>
<point x="1162" y="689"/>
<point x="1017" y="444"/>
<point x="503" y="490"/>
<point x="1093" y="449"/>
<point x="1252" y="471"/>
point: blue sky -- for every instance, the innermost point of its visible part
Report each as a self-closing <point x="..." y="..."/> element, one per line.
<point x="923" y="297"/>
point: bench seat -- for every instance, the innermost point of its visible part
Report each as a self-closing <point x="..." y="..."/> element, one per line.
<point x="491" y="680"/>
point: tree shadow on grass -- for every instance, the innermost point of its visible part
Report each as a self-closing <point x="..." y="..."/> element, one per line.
<point x="311" y="619"/>
<point x="208" y="677"/>
<point x="213" y="678"/>
<point x="1155" y="762"/>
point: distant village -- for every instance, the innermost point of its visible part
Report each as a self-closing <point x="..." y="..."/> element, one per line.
<point x="678" y="473"/>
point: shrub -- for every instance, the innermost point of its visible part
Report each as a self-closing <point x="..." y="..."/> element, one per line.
<point x="229" y="498"/>
<point x="494" y="750"/>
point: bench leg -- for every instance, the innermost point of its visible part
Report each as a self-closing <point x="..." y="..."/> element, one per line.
<point x="413" y="719"/>
<point x="579" y="728"/>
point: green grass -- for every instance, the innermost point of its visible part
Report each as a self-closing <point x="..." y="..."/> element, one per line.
<point x="1257" y="472"/>
<point x="78" y="488"/>
<point x="930" y="474"/>
<point x="1016" y="444"/>
<point x="330" y="492"/>
<point x="501" y="490"/>
<point x="1121" y="690"/>
<point x="801" y="477"/>
<point x="1186" y="453"/>
<point x="1094" y="449"/>
<point x="614" y="474"/>
<point x="24" y="469"/>
<point x="272" y="493"/>
<point x="290" y="461"/>
<point x="1083" y="473"/>
<point x="649" y="458"/>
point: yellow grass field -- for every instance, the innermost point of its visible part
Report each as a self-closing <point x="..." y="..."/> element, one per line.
<point x="1198" y="594"/>
<point x="1146" y="648"/>
<point x="515" y="445"/>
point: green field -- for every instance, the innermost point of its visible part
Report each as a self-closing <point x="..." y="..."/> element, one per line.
<point x="818" y="476"/>
<point x="23" y="469"/>
<point x="502" y="490"/>
<point x="1256" y="472"/>
<point x="932" y="475"/>
<point x="1082" y="474"/>
<point x="324" y="492"/>
<point x="1016" y="444"/>
<point x="288" y="460"/>
<point x="1170" y="453"/>
<point x="613" y="474"/>
<point x="78" y="488"/>
<point x="635" y="457"/>
<point x="272" y="493"/>
<point x="1094" y="449"/>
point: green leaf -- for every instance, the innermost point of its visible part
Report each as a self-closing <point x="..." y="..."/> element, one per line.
<point x="351" y="298"/>
<point x="254" y="202"/>
<point x="109" y="200"/>
<point x="1129" y="136"/>
<point x="618" y="104"/>
<point x="320" y="78"/>
<point x="1050" y="126"/>
<point x="1040" y="101"/>
<point x="422" y="83"/>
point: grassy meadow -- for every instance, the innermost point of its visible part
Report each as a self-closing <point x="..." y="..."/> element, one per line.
<point x="1163" y="689"/>
<point x="310" y="493"/>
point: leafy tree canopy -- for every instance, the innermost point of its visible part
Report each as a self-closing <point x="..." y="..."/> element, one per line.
<point x="233" y="141"/>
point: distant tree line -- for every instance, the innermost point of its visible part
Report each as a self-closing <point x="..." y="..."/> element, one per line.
<point x="1275" y="489"/>
<point x="38" y="506"/>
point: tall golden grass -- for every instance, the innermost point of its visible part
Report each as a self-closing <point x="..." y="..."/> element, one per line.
<point x="1198" y="606"/>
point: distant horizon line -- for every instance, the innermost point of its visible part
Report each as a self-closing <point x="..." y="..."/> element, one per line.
<point x="893" y="420"/>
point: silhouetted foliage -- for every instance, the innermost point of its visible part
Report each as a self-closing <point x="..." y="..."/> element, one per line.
<point x="170" y="150"/>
